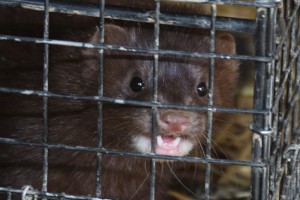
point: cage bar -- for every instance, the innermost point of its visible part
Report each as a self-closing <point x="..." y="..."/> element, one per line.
<point x="45" y="99"/>
<point x="259" y="103"/>
<point x="100" y="94"/>
<point x="131" y="102"/>
<point x="154" y="98"/>
<point x="133" y="154"/>
<point x="210" y="102"/>
<point x="111" y="12"/>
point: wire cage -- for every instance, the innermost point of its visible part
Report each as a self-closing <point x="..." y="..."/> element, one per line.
<point x="275" y="129"/>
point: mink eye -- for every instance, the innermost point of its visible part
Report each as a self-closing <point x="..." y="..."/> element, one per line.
<point x="202" y="89"/>
<point x="137" y="84"/>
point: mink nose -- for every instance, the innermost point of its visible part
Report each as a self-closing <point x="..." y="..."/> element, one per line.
<point x="173" y="121"/>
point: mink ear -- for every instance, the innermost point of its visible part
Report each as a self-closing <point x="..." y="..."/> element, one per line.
<point x="225" y="43"/>
<point x="114" y="34"/>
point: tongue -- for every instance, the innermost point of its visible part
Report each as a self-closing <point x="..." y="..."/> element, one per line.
<point x="167" y="145"/>
<point x="168" y="139"/>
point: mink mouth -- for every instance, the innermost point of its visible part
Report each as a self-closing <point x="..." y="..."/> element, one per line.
<point x="165" y="144"/>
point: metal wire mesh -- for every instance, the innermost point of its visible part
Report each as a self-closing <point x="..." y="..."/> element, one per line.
<point x="284" y="152"/>
<point x="275" y="155"/>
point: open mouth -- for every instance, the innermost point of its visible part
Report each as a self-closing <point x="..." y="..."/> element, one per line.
<point x="165" y="145"/>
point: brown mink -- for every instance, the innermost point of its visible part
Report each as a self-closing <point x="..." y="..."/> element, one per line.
<point x="181" y="80"/>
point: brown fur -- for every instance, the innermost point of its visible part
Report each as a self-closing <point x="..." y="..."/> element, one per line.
<point x="74" y="122"/>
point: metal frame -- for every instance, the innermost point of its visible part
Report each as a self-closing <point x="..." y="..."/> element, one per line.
<point x="275" y="166"/>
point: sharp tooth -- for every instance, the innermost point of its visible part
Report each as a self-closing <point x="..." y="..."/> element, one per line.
<point x="176" y="141"/>
<point x="159" y="140"/>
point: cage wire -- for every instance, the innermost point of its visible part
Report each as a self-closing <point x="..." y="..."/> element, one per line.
<point x="275" y="160"/>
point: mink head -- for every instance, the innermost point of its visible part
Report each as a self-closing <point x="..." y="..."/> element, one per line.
<point x="181" y="80"/>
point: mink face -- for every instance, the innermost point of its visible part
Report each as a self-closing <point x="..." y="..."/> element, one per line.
<point x="181" y="81"/>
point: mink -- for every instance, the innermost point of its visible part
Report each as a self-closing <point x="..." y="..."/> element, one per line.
<point x="182" y="80"/>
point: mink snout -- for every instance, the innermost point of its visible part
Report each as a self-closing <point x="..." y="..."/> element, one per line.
<point x="174" y="122"/>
